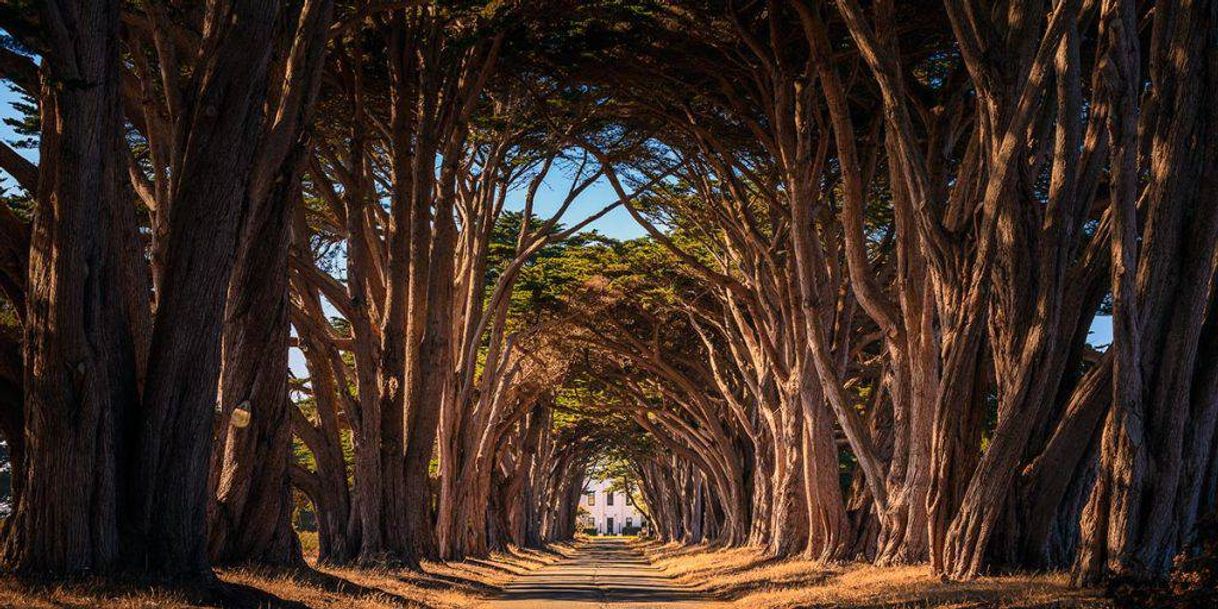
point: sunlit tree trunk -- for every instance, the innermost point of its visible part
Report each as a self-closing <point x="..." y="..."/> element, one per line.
<point x="250" y="519"/>
<point x="184" y="361"/>
<point x="1144" y="507"/>
<point x="250" y="515"/>
<point x="81" y="379"/>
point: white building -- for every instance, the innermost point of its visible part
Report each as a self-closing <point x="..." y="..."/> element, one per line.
<point x="610" y="512"/>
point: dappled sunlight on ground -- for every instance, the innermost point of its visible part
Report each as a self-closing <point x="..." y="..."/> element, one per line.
<point x="753" y="580"/>
<point x="440" y="586"/>
<point x="742" y="577"/>
<point x="606" y="572"/>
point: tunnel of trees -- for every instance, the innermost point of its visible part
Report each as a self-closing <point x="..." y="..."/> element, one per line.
<point x="878" y="234"/>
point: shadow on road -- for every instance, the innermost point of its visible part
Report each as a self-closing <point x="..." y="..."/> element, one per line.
<point x="601" y="572"/>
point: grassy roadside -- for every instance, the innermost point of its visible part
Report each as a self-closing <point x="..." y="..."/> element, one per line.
<point x="750" y="579"/>
<point x="456" y="585"/>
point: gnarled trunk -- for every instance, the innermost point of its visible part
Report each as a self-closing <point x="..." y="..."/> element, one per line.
<point x="81" y="379"/>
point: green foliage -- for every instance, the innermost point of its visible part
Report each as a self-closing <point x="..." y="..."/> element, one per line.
<point x="550" y="273"/>
<point x="26" y="122"/>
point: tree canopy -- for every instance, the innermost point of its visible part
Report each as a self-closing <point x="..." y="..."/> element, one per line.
<point x="877" y="238"/>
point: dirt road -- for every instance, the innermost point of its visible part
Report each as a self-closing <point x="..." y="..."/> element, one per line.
<point x="603" y="573"/>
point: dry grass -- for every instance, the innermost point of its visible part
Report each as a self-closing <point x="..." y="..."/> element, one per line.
<point x="455" y="585"/>
<point x="748" y="577"/>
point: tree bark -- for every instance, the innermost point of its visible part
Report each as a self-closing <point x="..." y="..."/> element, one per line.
<point x="210" y="201"/>
<point x="80" y="346"/>
<point x="250" y="516"/>
<point x="250" y="519"/>
<point x="1140" y="514"/>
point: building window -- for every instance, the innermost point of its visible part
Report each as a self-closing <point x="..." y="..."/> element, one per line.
<point x="629" y="522"/>
<point x="609" y="498"/>
<point x="592" y="498"/>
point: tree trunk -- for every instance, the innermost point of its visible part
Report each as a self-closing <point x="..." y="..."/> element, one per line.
<point x="250" y="520"/>
<point x="956" y="431"/>
<point x="828" y="533"/>
<point x="250" y="515"/>
<point x="210" y="200"/>
<point x="789" y="531"/>
<point x="759" y="525"/>
<point x="80" y="349"/>
<point x="1141" y="511"/>
<point x="435" y="365"/>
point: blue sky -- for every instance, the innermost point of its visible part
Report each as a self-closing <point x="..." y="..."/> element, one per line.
<point x="7" y="97"/>
<point x="616" y="224"/>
